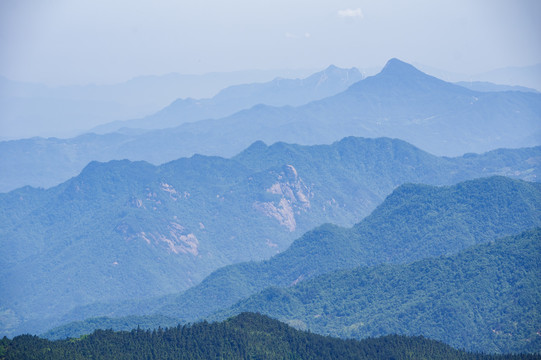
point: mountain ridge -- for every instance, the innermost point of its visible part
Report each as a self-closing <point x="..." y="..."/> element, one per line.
<point x="436" y="116"/>
<point x="277" y="92"/>
<point x="414" y="222"/>
<point x="176" y="216"/>
<point x="482" y="299"/>
<point x="244" y="336"/>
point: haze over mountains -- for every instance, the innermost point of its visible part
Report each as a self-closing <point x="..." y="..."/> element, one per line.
<point x="528" y="76"/>
<point x="488" y="86"/>
<point x="345" y="205"/>
<point x="29" y="110"/>
<point x="278" y="92"/>
<point x="69" y="156"/>
<point x="438" y="117"/>
<point x="32" y="109"/>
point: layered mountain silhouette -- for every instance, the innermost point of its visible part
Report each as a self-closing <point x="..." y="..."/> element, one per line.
<point x="488" y="86"/>
<point x="31" y="109"/>
<point x="414" y="222"/>
<point x="400" y="101"/>
<point x="279" y="92"/>
<point x="123" y="230"/>
<point x="189" y="214"/>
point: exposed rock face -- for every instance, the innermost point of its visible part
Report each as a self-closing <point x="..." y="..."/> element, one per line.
<point x="171" y="190"/>
<point x="283" y="212"/>
<point x="176" y="239"/>
<point x="294" y="198"/>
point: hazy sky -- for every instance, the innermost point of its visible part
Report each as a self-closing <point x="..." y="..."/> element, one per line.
<point x="106" y="41"/>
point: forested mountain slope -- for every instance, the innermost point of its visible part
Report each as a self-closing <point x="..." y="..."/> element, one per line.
<point x="485" y="298"/>
<point x="130" y="230"/>
<point x="414" y="222"/>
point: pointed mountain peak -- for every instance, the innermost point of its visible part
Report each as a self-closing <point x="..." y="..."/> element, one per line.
<point x="256" y="148"/>
<point x="258" y="145"/>
<point x="338" y="70"/>
<point x="398" y="76"/>
<point x="332" y="68"/>
<point x="334" y="73"/>
<point x="395" y="67"/>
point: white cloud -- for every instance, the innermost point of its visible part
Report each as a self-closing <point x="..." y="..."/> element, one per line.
<point x="295" y="36"/>
<point x="351" y="13"/>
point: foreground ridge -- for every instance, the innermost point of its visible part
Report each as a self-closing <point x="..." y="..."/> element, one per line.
<point x="246" y="336"/>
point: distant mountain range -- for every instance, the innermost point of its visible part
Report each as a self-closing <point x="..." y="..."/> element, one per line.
<point x="528" y="76"/>
<point x="28" y="109"/>
<point x="123" y="230"/>
<point x="278" y="92"/>
<point x="516" y="76"/>
<point x="400" y="101"/>
<point x="131" y="232"/>
<point x="490" y="87"/>
<point x="413" y="223"/>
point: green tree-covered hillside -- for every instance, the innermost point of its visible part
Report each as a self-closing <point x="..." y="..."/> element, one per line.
<point x="414" y="222"/>
<point x="485" y="298"/>
<point x="130" y="230"/>
<point x="246" y="336"/>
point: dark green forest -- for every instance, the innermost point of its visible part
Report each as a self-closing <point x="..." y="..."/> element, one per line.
<point x="124" y="323"/>
<point x="246" y="336"/>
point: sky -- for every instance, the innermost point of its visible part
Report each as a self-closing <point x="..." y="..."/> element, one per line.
<point x="65" y="42"/>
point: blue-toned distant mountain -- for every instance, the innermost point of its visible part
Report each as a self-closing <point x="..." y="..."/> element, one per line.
<point x="56" y="160"/>
<point x="488" y="86"/>
<point x="278" y="92"/>
<point x="28" y="109"/>
<point x="399" y="102"/>
<point x="525" y="77"/>
<point x="529" y="76"/>
<point x="123" y="230"/>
